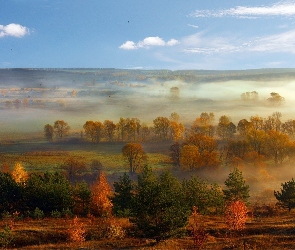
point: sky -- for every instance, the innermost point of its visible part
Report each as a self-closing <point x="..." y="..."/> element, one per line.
<point x="154" y="34"/>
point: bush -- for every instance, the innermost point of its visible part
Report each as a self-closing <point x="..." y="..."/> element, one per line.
<point x="37" y="214"/>
<point x="5" y="237"/>
<point x="55" y="214"/>
<point x="77" y="231"/>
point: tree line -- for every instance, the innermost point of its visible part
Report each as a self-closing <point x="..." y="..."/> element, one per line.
<point x="203" y="144"/>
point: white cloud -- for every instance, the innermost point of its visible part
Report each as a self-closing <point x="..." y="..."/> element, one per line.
<point x="148" y="42"/>
<point x="282" y="42"/>
<point x="129" y="45"/>
<point x="151" y="41"/>
<point x="278" y="9"/>
<point x="194" y="26"/>
<point x="201" y="44"/>
<point x="14" y="30"/>
<point x="172" y="42"/>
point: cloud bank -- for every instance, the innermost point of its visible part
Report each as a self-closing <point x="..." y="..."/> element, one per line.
<point x="278" y="9"/>
<point x="14" y="30"/>
<point x="148" y="42"/>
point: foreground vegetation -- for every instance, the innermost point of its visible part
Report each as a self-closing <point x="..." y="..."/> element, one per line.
<point x="261" y="232"/>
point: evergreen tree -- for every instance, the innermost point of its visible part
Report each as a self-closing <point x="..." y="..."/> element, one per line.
<point x="236" y="187"/>
<point x="286" y="196"/>
<point x="11" y="193"/>
<point x="81" y="196"/>
<point x="49" y="192"/>
<point x="159" y="209"/>
<point x="123" y="196"/>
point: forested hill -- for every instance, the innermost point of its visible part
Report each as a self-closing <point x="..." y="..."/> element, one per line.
<point x="35" y="77"/>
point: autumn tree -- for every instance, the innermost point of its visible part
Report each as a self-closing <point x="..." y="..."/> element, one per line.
<point x="19" y="174"/>
<point x="236" y="215"/>
<point x="257" y="122"/>
<point x="145" y="132"/>
<point x="133" y="128"/>
<point x="286" y="197"/>
<point x="249" y="96"/>
<point x="109" y="129"/>
<point x="196" y="226"/>
<point x="189" y="157"/>
<point x="207" y="147"/>
<point x="277" y="146"/>
<point x="243" y="127"/>
<point x="76" y="231"/>
<point x="161" y="127"/>
<point x="177" y="130"/>
<point x="256" y="139"/>
<point x="174" y="117"/>
<point x="73" y="168"/>
<point x="225" y="128"/>
<point x="273" y="122"/>
<point x="276" y="99"/>
<point x="236" y="187"/>
<point x="288" y="128"/>
<point x="204" y="124"/>
<point x="61" y="128"/>
<point x="134" y="155"/>
<point x="100" y="204"/>
<point x="175" y="152"/>
<point x="48" y="132"/>
<point x="94" y="130"/>
<point x="237" y="149"/>
<point x="121" y="128"/>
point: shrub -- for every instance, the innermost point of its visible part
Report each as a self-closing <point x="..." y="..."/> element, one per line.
<point x="236" y="215"/>
<point x="197" y="230"/>
<point x="5" y="237"/>
<point x="77" y="231"/>
<point x="55" y="214"/>
<point x="37" y="214"/>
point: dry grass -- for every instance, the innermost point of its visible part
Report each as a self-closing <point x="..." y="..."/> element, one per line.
<point x="275" y="232"/>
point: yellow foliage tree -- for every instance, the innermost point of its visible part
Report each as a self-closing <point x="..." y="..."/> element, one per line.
<point x="19" y="174"/>
<point x="101" y="192"/>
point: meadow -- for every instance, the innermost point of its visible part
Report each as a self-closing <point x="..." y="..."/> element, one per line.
<point x="275" y="231"/>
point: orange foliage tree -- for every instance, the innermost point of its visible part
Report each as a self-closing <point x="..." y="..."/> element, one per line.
<point x="19" y="174"/>
<point x="134" y="155"/>
<point x="189" y="157"/>
<point x="236" y="215"/>
<point x="77" y="231"/>
<point x="100" y="204"/>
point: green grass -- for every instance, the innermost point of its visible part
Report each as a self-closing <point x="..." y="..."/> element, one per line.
<point x="41" y="157"/>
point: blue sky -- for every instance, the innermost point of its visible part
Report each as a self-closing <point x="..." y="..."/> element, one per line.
<point x="162" y="34"/>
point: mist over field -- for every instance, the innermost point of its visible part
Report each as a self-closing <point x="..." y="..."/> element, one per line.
<point x="31" y="98"/>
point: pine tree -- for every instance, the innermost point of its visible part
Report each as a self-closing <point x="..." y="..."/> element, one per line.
<point x="236" y="187"/>
<point x="160" y="210"/>
<point x="123" y="196"/>
<point x="286" y="196"/>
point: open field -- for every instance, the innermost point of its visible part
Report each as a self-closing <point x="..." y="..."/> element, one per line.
<point x="41" y="156"/>
<point x="275" y="232"/>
